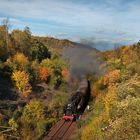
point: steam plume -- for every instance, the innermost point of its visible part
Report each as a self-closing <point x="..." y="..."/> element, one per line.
<point x="83" y="61"/>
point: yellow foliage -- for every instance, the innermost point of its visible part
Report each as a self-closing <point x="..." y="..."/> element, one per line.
<point x="110" y="80"/>
<point x="129" y="55"/>
<point x="95" y="91"/>
<point x="93" y="131"/>
<point x="18" y="62"/>
<point x="110" y="98"/>
<point x="34" y="112"/>
<point x="21" y="79"/>
<point x="21" y="59"/>
<point x="88" y="133"/>
<point x="47" y="63"/>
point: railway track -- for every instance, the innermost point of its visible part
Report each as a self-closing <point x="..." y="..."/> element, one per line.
<point x="61" y="131"/>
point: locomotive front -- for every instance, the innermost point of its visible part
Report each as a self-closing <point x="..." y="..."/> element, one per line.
<point x="78" y="102"/>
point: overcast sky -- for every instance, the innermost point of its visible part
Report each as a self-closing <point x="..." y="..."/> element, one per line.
<point x="96" y="21"/>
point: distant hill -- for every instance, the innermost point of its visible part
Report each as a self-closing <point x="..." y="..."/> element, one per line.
<point x="62" y="43"/>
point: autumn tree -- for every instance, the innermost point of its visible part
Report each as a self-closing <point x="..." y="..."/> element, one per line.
<point x="3" y="44"/>
<point x="21" y="79"/>
<point x="34" y="111"/>
<point x="22" y="40"/>
<point x="6" y="25"/>
<point x="44" y="73"/>
<point x="39" y="51"/>
<point x="18" y="62"/>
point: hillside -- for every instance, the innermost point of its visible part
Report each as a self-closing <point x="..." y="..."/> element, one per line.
<point x="34" y="81"/>
<point x="115" y="110"/>
<point x="61" y="43"/>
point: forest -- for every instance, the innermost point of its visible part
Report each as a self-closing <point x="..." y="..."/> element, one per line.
<point x="34" y="85"/>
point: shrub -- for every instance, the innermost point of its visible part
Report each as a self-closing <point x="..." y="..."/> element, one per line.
<point x="130" y="87"/>
<point x="93" y="131"/>
<point x="33" y="112"/>
<point x="126" y="125"/>
<point x="35" y="121"/>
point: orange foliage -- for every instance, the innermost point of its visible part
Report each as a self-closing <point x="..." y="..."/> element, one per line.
<point x="65" y="74"/>
<point x="112" y="77"/>
<point x="95" y="91"/>
<point x="44" y="73"/>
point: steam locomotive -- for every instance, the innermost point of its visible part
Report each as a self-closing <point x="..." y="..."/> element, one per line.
<point x="78" y="102"/>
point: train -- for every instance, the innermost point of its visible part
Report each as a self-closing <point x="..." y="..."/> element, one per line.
<point x="76" y="105"/>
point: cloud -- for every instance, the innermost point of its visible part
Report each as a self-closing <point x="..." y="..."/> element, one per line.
<point x="13" y="21"/>
<point x="103" y="18"/>
<point x="104" y="43"/>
